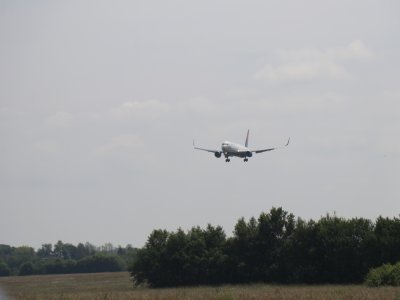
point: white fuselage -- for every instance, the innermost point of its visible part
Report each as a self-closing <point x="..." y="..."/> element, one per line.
<point x="232" y="149"/>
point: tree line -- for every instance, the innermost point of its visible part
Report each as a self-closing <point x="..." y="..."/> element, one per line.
<point x="276" y="247"/>
<point x="64" y="258"/>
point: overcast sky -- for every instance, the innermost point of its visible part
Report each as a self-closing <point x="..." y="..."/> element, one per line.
<point x="100" y="102"/>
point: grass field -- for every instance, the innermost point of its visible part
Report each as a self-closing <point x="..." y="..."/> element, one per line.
<point x="119" y="286"/>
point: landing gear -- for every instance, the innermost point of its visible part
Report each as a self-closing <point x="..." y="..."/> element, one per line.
<point x="246" y="159"/>
<point x="227" y="157"/>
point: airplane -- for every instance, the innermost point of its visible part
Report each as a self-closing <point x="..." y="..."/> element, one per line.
<point x="230" y="149"/>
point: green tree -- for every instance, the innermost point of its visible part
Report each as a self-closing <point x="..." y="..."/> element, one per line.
<point x="387" y="232"/>
<point x="147" y="267"/>
<point x="243" y="258"/>
<point x="21" y="255"/>
<point x="272" y="231"/>
<point x="346" y="246"/>
<point x="100" y="263"/>
<point x="6" y="251"/>
<point x="60" y="266"/>
<point x="45" y="251"/>
<point x="26" y="269"/>
<point x="4" y="269"/>
<point x="301" y="256"/>
<point x="59" y="249"/>
<point x="81" y="251"/>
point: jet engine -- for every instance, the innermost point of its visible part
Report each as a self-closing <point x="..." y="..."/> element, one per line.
<point x="217" y="154"/>
<point x="249" y="154"/>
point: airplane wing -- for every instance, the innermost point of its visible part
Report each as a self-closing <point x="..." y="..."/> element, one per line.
<point x="269" y="149"/>
<point x="208" y="150"/>
<point x="263" y="150"/>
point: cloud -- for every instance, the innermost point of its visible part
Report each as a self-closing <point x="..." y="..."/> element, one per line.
<point x="198" y="105"/>
<point x="45" y="146"/>
<point x="4" y="109"/>
<point x="356" y="50"/>
<point x="386" y="142"/>
<point x="310" y="63"/>
<point x="60" y="119"/>
<point x="125" y="144"/>
<point x="151" y="109"/>
<point x="302" y="70"/>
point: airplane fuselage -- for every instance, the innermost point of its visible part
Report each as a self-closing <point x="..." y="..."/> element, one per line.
<point x="233" y="149"/>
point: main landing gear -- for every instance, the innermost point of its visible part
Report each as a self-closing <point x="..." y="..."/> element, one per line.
<point x="227" y="160"/>
<point x="246" y="159"/>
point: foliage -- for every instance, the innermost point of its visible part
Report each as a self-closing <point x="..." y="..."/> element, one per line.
<point x="26" y="269"/>
<point x="182" y="258"/>
<point x="276" y="247"/>
<point x="386" y="274"/>
<point x="59" y="266"/>
<point x="100" y="263"/>
<point x="4" y="269"/>
<point x="64" y="258"/>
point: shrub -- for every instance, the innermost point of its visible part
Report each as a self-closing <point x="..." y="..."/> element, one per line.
<point x="396" y="274"/>
<point x="384" y="275"/>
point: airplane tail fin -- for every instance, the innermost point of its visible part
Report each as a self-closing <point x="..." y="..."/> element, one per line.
<point x="247" y="138"/>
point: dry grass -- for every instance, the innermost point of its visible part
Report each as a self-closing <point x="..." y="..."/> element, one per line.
<point x="119" y="286"/>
